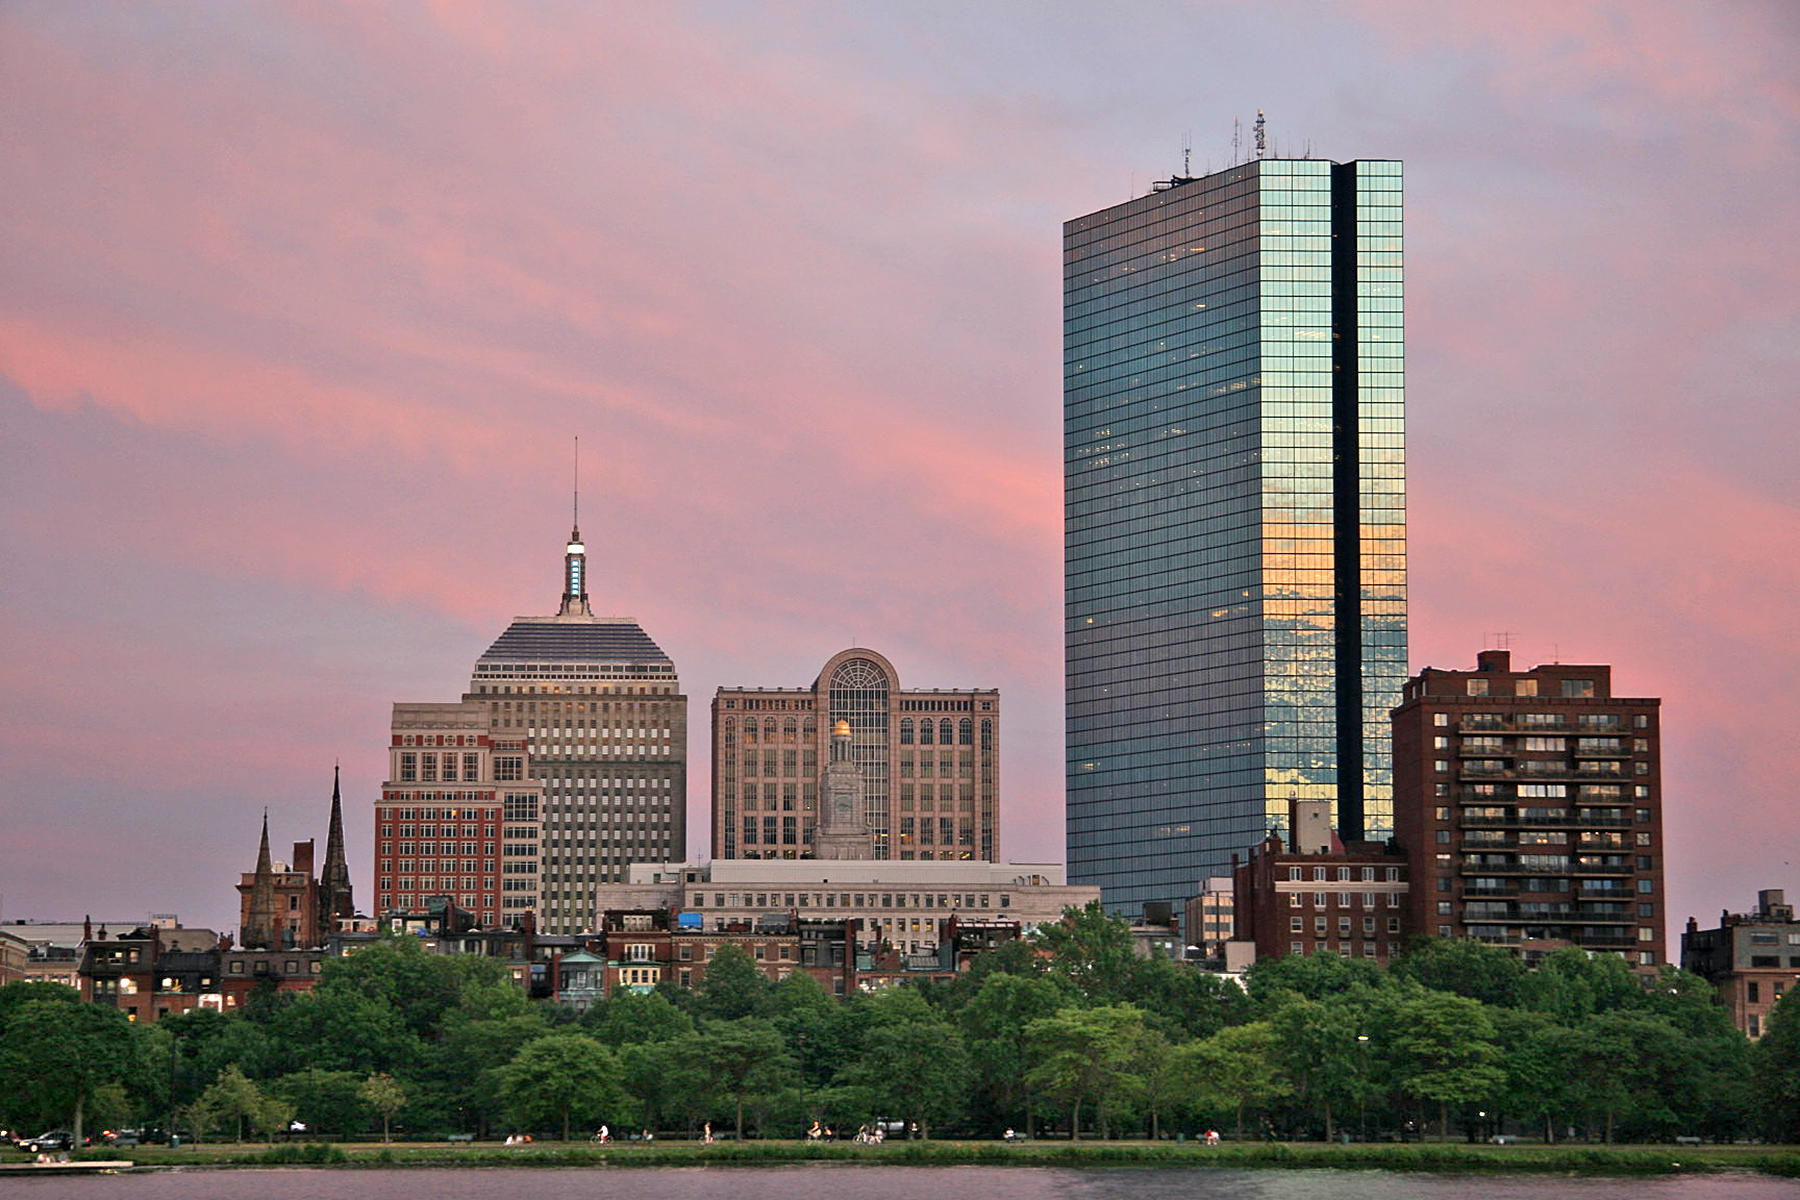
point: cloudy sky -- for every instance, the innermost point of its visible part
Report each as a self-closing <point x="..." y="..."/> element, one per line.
<point x="301" y="306"/>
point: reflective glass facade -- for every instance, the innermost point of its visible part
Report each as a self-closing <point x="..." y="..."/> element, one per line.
<point x="1235" y="515"/>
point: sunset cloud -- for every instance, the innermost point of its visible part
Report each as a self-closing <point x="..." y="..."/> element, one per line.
<point x="305" y="305"/>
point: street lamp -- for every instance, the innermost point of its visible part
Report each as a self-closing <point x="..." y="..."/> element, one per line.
<point x="1362" y="1093"/>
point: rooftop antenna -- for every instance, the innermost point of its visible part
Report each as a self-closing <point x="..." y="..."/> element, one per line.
<point x="1503" y="640"/>
<point x="1237" y="141"/>
<point x="1262" y="138"/>
<point x="1187" y="154"/>
<point x="577" y="509"/>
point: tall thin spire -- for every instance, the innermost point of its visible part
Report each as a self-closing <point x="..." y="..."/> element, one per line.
<point x="335" y="899"/>
<point x="575" y="599"/>
<point x="258" y="919"/>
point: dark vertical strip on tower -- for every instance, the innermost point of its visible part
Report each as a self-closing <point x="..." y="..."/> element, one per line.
<point x="1346" y="504"/>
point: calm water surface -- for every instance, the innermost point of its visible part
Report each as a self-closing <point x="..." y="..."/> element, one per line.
<point x="826" y="1181"/>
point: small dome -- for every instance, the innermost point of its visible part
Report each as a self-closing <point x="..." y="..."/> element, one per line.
<point x="841" y="729"/>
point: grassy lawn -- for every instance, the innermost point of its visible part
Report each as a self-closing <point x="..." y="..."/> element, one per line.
<point x="1444" y="1156"/>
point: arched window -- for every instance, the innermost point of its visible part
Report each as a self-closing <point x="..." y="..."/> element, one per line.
<point x="987" y="734"/>
<point x="925" y="729"/>
<point x="944" y="732"/>
<point x="769" y="730"/>
<point x="790" y="730"/>
<point x="750" y="731"/>
<point x="965" y="733"/>
<point x="906" y="731"/>
<point x="809" y="729"/>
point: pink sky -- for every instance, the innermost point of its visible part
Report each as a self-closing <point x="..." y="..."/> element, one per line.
<point x="301" y="305"/>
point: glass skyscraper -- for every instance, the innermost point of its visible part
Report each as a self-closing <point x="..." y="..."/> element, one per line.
<point x="1235" y="516"/>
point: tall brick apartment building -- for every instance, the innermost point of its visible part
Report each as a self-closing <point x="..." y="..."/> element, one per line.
<point x="1529" y="805"/>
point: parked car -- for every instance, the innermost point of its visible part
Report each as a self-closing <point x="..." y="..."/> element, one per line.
<point x="52" y="1141"/>
<point x="123" y="1137"/>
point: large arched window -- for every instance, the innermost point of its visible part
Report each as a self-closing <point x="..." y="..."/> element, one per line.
<point x="944" y="732"/>
<point x="925" y="732"/>
<point x="965" y="733"/>
<point x="858" y="692"/>
<point x="906" y="731"/>
<point x="790" y="730"/>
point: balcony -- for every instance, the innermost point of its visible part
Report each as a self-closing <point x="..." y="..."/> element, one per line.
<point x="1474" y="725"/>
<point x="1539" y="770"/>
<point x="1623" y="750"/>
<point x="1469" y="820"/>
<point x="1469" y="868"/>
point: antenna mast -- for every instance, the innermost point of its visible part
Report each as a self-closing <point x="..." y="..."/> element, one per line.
<point x="1262" y="139"/>
<point x="1187" y="154"/>
<point x="1237" y="141"/>
<point x="577" y="510"/>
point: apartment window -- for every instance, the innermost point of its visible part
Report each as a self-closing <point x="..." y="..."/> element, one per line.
<point x="1440" y="719"/>
<point x="1294" y="873"/>
<point x="1577" y="689"/>
<point x="1478" y="687"/>
<point x="1525" y="687"/>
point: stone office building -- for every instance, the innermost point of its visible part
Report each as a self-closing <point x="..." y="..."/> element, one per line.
<point x="928" y="760"/>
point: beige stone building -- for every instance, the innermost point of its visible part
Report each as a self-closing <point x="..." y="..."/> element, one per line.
<point x="899" y="903"/>
<point x="575" y="730"/>
<point x="928" y="761"/>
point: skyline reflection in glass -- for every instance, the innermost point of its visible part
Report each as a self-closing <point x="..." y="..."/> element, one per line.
<point x="1234" y="517"/>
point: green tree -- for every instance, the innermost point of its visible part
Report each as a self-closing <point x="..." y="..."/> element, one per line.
<point x="1271" y="981"/>
<point x="1086" y="1054"/>
<point x="1571" y="985"/>
<point x="1235" y="1069"/>
<point x="386" y="1096"/>
<point x="56" y="1051"/>
<point x="1091" y="950"/>
<point x="1776" y="1066"/>
<point x="338" y="1029"/>
<point x="1491" y="974"/>
<point x="234" y="1099"/>
<point x="913" y="1065"/>
<point x="558" y="1077"/>
<point x="995" y="1023"/>
<point x="743" y="1062"/>
<point x="327" y="1101"/>
<point x="1319" y="1048"/>
<point x="628" y="1018"/>
<point x="1444" y="1048"/>
<point x="732" y="988"/>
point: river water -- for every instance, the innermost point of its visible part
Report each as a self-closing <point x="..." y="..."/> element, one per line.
<point x="830" y="1181"/>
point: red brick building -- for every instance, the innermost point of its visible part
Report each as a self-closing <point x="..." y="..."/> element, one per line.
<point x="458" y="816"/>
<point x="1529" y="806"/>
<point x="1314" y="893"/>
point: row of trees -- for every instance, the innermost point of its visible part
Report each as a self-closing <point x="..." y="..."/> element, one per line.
<point x="1071" y="1030"/>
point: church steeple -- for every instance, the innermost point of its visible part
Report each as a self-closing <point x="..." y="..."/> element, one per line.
<point x="335" y="900"/>
<point x="575" y="598"/>
<point x="259" y="911"/>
